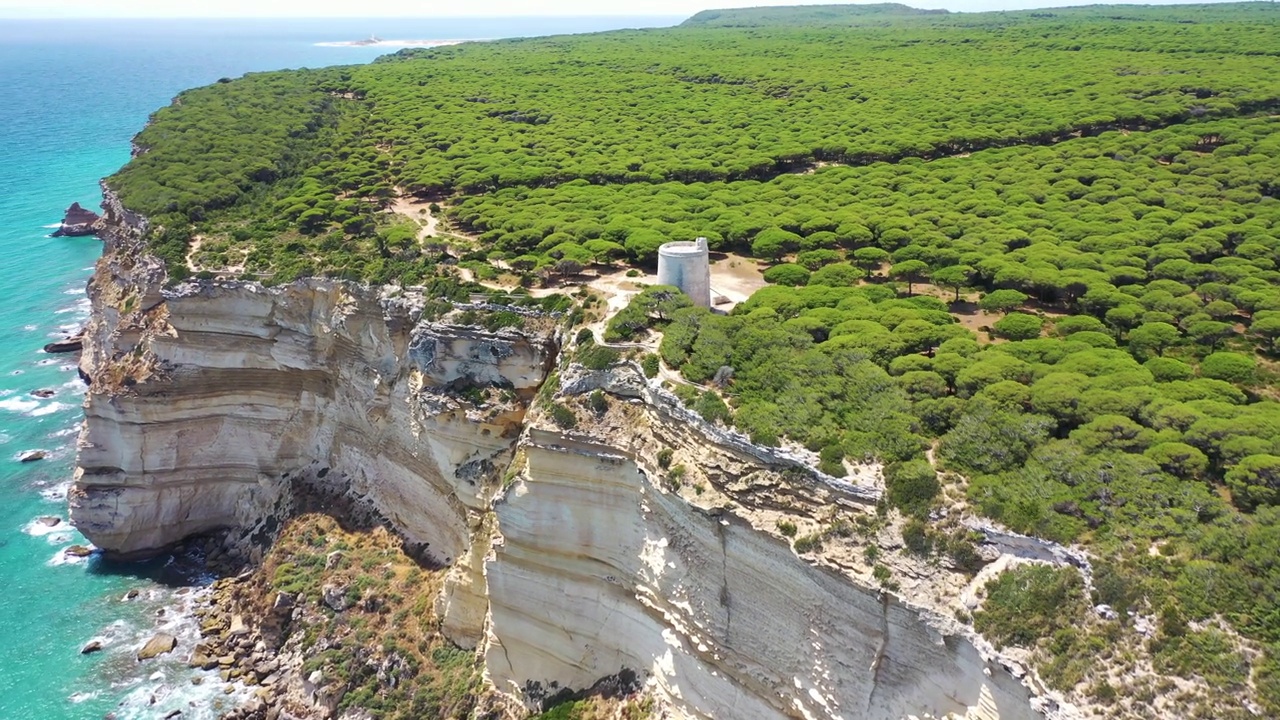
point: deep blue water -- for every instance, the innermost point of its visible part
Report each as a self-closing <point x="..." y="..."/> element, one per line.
<point x="73" y="94"/>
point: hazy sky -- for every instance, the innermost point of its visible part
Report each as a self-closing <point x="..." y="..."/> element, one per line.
<point x="434" y="8"/>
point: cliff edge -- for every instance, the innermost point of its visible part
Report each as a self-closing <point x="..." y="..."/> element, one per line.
<point x="566" y="557"/>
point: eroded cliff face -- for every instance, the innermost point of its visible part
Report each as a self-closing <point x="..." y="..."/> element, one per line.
<point x="601" y="570"/>
<point x="208" y="400"/>
<point x="567" y="558"/>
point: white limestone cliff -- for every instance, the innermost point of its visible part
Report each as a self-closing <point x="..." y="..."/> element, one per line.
<point x="568" y="561"/>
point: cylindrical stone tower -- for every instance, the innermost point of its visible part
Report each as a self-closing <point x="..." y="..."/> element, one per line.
<point x="687" y="266"/>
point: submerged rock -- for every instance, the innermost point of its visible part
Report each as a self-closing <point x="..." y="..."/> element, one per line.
<point x="91" y="647"/>
<point x="160" y="644"/>
<point x="43" y="393"/>
<point x="79" y="551"/>
<point x="78" y="222"/>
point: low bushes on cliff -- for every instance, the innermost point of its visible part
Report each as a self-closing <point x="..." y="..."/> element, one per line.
<point x="371" y="630"/>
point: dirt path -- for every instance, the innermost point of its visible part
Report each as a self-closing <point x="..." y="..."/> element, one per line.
<point x="196" y="243"/>
<point x="419" y="212"/>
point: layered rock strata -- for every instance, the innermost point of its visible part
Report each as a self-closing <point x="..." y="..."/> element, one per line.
<point x="207" y="400"/>
<point x="568" y="560"/>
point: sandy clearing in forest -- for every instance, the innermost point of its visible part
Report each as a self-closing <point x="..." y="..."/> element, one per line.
<point x="734" y="277"/>
<point x="418" y="211"/>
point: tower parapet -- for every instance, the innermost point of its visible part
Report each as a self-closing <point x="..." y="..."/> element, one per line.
<point x="687" y="265"/>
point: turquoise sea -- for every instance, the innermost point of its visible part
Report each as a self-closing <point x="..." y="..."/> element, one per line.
<point x="74" y="94"/>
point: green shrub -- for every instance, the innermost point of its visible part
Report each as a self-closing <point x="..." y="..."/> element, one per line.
<point x="915" y="536"/>
<point x="598" y="357"/>
<point x="808" y="543"/>
<point x="664" y="458"/>
<point x="712" y="408"/>
<point x="787" y="528"/>
<point x="563" y="416"/>
<point x="1030" y="603"/>
<point x="650" y="364"/>
<point x="599" y="404"/>
<point x="831" y="461"/>
<point x="912" y="486"/>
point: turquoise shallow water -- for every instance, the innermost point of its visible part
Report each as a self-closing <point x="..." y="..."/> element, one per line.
<point x="74" y="93"/>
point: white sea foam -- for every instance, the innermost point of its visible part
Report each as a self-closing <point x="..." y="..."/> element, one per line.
<point x="49" y="409"/>
<point x="74" y="291"/>
<point x="82" y="307"/>
<point x="54" y="226"/>
<point x="83" y="696"/>
<point x="167" y="686"/>
<point x="19" y="404"/>
<point x="57" y="493"/>
<point x="62" y="558"/>
<point x="29" y="328"/>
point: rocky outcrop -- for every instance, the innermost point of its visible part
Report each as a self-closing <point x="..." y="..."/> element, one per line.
<point x="68" y="344"/>
<point x="566" y="557"/>
<point x="79" y="222"/>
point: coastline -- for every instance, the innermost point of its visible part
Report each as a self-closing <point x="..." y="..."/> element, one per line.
<point x="395" y="43"/>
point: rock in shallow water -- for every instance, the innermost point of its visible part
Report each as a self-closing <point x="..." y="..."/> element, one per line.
<point x="92" y="647"/>
<point x="161" y="644"/>
<point x="78" y="222"/>
<point x="70" y="344"/>
<point x="32" y="456"/>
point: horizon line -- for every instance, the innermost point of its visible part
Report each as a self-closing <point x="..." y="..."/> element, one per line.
<point x="342" y="17"/>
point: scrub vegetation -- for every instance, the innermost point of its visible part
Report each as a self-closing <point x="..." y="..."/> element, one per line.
<point x="1043" y="245"/>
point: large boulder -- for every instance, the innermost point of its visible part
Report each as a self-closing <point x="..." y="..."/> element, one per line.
<point x="160" y="644"/>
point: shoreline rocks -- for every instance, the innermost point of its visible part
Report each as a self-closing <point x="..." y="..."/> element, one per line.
<point x="70" y="344"/>
<point x="79" y="551"/>
<point x="32" y="456"/>
<point x="160" y="644"/>
<point x="78" y="222"/>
